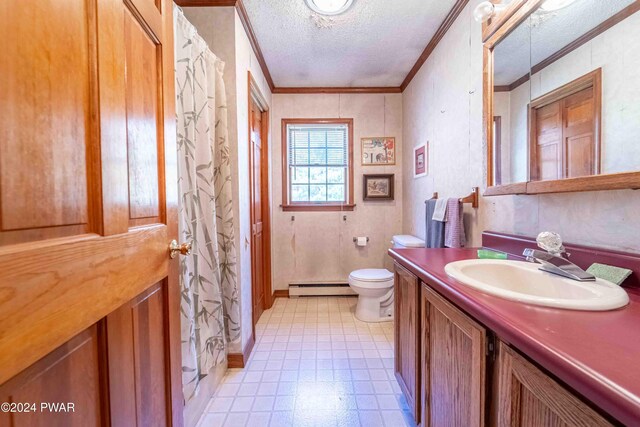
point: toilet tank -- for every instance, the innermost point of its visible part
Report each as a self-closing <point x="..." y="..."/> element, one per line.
<point x="407" y="241"/>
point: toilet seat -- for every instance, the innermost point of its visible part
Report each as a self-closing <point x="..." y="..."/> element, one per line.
<point x="371" y="278"/>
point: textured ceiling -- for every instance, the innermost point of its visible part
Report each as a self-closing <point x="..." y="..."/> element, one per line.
<point x="543" y="34"/>
<point x="374" y="43"/>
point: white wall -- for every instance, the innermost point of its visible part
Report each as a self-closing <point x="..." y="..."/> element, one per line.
<point x="512" y="107"/>
<point x="458" y="161"/>
<point x="519" y="135"/>
<point x="318" y="246"/>
<point x="502" y="108"/>
<point x="246" y="61"/>
<point x="222" y="29"/>
<point x="443" y="105"/>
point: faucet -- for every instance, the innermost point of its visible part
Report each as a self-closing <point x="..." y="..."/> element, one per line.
<point x="552" y="260"/>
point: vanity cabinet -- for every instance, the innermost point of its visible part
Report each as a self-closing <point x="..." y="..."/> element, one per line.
<point x="407" y="336"/>
<point x="453" y="374"/>
<point x="526" y="396"/>
<point x="454" y="364"/>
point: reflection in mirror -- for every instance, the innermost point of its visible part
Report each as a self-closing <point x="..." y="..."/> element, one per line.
<point x="583" y="92"/>
<point x="512" y="64"/>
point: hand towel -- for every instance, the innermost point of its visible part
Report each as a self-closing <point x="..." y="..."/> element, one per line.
<point x="440" y="211"/>
<point x="454" y="236"/>
<point x="435" y="229"/>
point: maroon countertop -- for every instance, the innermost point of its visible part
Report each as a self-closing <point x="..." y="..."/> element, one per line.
<point x="595" y="353"/>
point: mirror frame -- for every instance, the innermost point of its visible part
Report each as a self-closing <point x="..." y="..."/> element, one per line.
<point x="495" y="31"/>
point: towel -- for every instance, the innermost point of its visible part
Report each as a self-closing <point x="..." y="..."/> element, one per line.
<point x="435" y="229"/>
<point x="440" y="211"/>
<point x="454" y="236"/>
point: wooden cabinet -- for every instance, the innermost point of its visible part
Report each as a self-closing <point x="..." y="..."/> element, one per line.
<point x="446" y="366"/>
<point x="454" y="365"/>
<point x="526" y="396"/>
<point x="407" y="336"/>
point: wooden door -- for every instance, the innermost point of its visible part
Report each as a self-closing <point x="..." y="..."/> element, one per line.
<point x="454" y="360"/>
<point x="497" y="150"/>
<point x="565" y="130"/>
<point x="407" y="336"/>
<point x="529" y="398"/>
<point x="548" y="153"/>
<point x="257" y="208"/>
<point x="579" y="134"/>
<point x="87" y="210"/>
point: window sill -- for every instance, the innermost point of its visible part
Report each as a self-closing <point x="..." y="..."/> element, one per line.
<point x="317" y="207"/>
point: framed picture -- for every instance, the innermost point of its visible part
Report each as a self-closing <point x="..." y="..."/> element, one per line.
<point x="378" y="151"/>
<point x="377" y="187"/>
<point x="420" y="160"/>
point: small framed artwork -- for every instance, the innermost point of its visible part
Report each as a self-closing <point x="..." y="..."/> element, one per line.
<point x="420" y="160"/>
<point x="378" y="151"/>
<point x="377" y="187"/>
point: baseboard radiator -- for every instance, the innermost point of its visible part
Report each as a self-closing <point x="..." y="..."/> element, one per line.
<point x="319" y="289"/>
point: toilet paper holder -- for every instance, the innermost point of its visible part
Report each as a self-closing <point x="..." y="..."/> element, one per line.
<point x="355" y="239"/>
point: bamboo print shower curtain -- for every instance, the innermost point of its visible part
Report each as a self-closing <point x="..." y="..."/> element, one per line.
<point x="209" y="304"/>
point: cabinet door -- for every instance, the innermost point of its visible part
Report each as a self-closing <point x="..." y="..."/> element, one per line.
<point x="528" y="397"/>
<point x="453" y="354"/>
<point x="407" y="337"/>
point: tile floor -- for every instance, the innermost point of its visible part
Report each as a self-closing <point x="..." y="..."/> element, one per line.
<point x="314" y="364"/>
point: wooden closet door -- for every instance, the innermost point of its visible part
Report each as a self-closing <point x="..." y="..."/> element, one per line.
<point x="257" y="208"/>
<point x="88" y="208"/>
<point x="547" y="153"/>
<point x="579" y="134"/>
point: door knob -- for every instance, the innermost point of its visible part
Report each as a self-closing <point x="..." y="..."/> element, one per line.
<point x="175" y="249"/>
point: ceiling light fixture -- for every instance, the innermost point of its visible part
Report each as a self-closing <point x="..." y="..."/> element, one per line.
<point x="551" y="5"/>
<point x="329" y="7"/>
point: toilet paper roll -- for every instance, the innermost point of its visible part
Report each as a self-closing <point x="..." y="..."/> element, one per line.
<point x="362" y="241"/>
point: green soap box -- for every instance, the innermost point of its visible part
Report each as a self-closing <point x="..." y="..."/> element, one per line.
<point x="487" y="254"/>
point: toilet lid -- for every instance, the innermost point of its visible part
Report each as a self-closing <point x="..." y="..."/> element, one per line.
<point x="372" y="275"/>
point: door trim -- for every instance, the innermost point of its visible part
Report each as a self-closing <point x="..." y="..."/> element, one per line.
<point x="254" y="94"/>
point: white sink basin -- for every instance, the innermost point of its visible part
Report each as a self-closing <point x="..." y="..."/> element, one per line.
<point x="524" y="282"/>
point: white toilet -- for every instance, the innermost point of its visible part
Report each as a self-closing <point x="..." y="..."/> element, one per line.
<point x="374" y="286"/>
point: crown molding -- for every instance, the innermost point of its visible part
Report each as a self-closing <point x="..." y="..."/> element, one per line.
<point x="244" y="18"/>
<point x="442" y="30"/>
<point x="604" y="26"/>
<point x="513" y="85"/>
<point x="309" y="90"/>
<point x="205" y="3"/>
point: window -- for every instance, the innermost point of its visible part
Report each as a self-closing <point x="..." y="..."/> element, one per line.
<point x="317" y="159"/>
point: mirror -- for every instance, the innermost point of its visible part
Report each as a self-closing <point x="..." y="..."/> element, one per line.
<point x="566" y="93"/>
<point x="512" y="93"/>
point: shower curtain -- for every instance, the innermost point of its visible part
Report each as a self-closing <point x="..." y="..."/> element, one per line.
<point x="210" y="315"/>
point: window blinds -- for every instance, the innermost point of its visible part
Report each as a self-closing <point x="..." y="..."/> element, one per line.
<point x="317" y="145"/>
<point x="318" y="162"/>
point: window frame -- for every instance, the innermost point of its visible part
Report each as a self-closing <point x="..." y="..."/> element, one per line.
<point x="287" y="205"/>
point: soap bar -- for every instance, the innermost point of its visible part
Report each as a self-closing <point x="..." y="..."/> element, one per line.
<point x="487" y="254"/>
<point x="613" y="274"/>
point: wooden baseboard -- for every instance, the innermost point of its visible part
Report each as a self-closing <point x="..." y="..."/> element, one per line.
<point x="281" y="293"/>
<point x="239" y="360"/>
